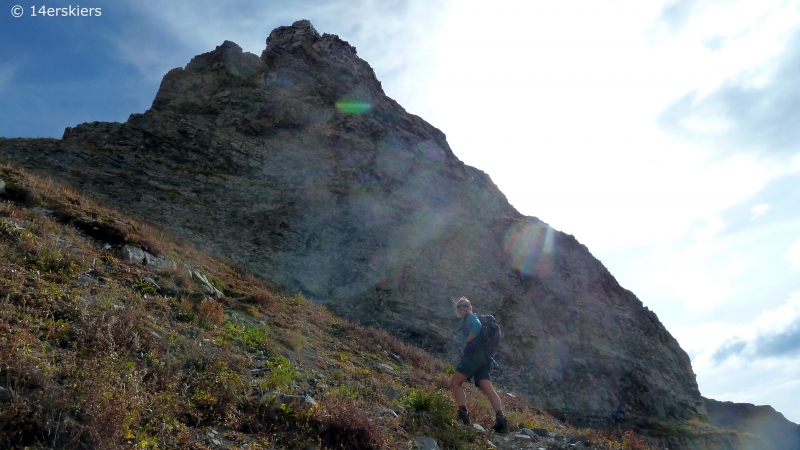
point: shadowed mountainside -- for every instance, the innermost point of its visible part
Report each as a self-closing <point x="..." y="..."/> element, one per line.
<point x="761" y="421"/>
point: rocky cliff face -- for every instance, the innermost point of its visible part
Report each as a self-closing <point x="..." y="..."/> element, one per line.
<point x="297" y="166"/>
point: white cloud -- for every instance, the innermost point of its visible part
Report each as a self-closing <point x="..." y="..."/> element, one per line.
<point x="759" y="210"/>
<point x="694" y="275"/>
<point x="712" y="228"/>
<point x="742" y="363"/>
<point x="793" y="255"/>
<point x="7" y="72"/>
<point x="733" y="346"/>
<point x="794" y="166"/>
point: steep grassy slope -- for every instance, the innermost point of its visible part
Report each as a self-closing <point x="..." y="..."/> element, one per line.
<point x="100" y="352"/>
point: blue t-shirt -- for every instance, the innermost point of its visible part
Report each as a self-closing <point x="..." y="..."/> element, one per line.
<point x="473" y="325"/>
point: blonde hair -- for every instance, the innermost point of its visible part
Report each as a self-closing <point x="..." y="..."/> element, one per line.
<point x="460" y="301"/>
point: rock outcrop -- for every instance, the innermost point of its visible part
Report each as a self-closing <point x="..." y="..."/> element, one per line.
<point x="297" y="166"/>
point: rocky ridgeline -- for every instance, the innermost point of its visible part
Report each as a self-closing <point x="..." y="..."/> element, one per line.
<point x="762" y="421"/>
<point x="297" y="166"/>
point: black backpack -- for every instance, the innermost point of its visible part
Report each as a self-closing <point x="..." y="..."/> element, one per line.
<point x="490" y="333"/>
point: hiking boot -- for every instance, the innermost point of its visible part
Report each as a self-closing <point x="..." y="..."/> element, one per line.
<point x="463" y="416"/>
<point x="501" y="425"/>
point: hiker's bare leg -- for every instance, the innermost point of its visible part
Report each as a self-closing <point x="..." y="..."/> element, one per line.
<point x="488" y="389"/>
<point x="458" y="391"/>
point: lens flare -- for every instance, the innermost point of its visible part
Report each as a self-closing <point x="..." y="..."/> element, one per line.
<point x="353" y="107"/>
<point x="530" y="247"/>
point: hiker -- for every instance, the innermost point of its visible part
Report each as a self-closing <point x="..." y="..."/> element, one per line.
<point x="475" y="363"/>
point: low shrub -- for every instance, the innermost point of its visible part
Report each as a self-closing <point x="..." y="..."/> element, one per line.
<point x="348" y="425"/>
<point x="210" y="313"/>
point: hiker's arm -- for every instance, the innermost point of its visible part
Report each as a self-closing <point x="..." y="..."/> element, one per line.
<point x="474" y="325"/>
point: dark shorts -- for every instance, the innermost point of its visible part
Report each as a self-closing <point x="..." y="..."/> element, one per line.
<point x="475" y="365"/>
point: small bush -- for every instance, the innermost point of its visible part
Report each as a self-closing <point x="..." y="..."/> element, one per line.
<point x="247" y="337"/>
<point x="348" y="425"/>
<point x="263" y="299"/>
<point x="185" y="311"/>
<point x="293" y="339"/>
<point x="210" y="313"/>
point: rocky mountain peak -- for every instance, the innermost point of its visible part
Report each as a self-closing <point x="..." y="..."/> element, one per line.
<point x="300" y="31"/>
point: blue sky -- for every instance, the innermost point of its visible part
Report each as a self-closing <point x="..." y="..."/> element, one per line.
<point x="661" y="134"/>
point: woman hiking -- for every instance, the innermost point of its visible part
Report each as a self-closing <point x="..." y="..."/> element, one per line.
<point x="475" y="363"/>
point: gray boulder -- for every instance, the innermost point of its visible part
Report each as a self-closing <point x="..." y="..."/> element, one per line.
<point x="135" y="254"/>
<point x="204" y="284"/>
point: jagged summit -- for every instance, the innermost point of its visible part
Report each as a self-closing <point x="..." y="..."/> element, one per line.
<point x="297" y="166"/>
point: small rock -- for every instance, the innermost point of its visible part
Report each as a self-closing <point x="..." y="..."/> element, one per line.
<point x="569" y="438"/>
<point x="216" y="442"/>
<point x="205" y="285"/>
<point x="135" y="254"/>
<point x="260" y="364"/>
<point x="387" y="367"/>
<point x="397" y="358"/>
<point x="491" y="444"/>
<point x="552" y="434"/>
<point x="296" y="401"/>
<point x="582" y="438"/>
<point x="155" y="335"/>
<point x="172" y="291"/>
<point x="2" y="187"/>
<point x="540" y="432"/>
<point x="151" y="282"/>
<point x="388" y="411"/>
<point x="528" y="432"/>
<point x="5" y="395"/>
<point x="390" y="393"/>
<point x="478" y="427"/>
<point x="578" y="445"/>
<point x="257" y="372"/>
<point x="522" y="436"/>
<point x="83" y="279"/>
<point x="426" y="443"/>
